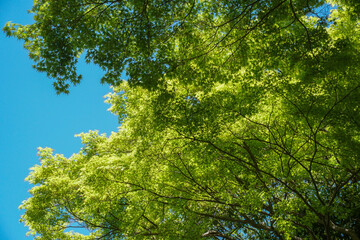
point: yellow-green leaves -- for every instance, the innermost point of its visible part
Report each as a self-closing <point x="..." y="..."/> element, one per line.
<point x="239" y="120"/>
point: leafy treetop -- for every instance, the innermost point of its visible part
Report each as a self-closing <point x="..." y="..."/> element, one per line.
<point x="239" y="120"/>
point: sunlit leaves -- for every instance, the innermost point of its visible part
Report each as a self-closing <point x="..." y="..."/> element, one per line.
<point x="239" y="120"/>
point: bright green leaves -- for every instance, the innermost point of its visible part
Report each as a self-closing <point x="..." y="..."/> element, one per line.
<point x="236" y="159"/>
<point x="239" y="120"/>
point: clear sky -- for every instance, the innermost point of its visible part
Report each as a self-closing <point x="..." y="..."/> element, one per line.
<point x="32" y="115"/>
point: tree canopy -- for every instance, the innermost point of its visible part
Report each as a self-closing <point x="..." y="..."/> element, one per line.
<point x="239" y="120"/>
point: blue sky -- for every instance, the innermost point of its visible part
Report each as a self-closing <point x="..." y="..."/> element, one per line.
<point x="32" y="115"/>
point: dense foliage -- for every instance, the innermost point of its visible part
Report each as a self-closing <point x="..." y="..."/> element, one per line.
<point x="240" y="120"/>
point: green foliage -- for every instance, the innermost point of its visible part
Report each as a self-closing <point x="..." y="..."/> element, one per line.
<point x="239" y="121"/>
